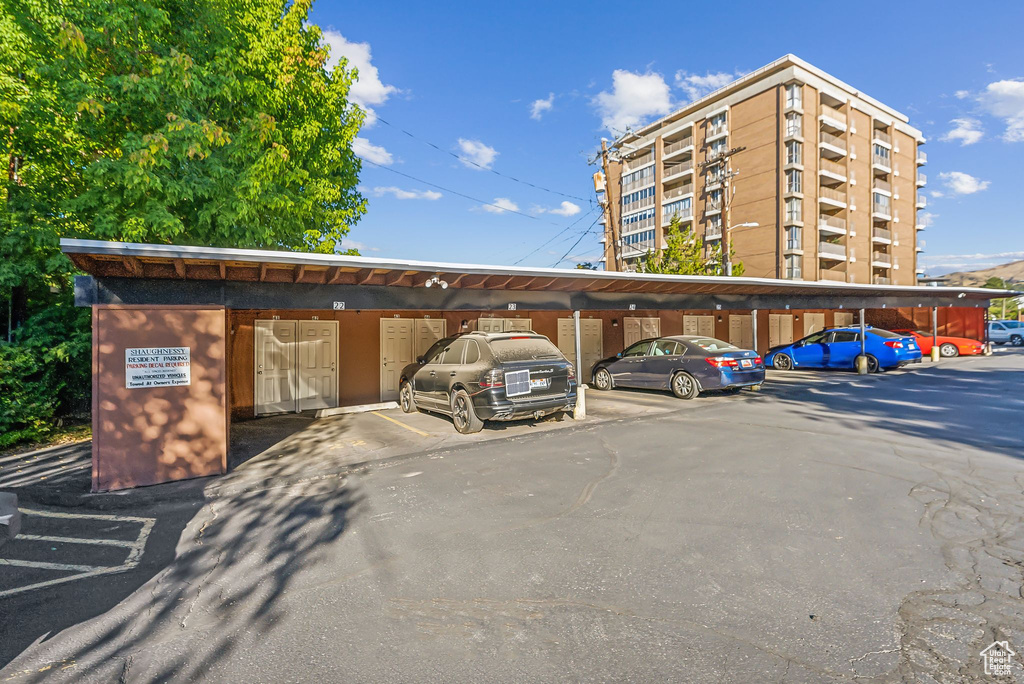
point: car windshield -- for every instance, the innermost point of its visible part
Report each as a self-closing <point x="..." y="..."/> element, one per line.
<point x="1013" y="324"/>
<point x="524" y="349"/>
<point x="711" y="344"/>
<point x="884" y="333"/>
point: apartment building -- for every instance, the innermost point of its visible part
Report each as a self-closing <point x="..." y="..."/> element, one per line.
<point x="830" y="176"/>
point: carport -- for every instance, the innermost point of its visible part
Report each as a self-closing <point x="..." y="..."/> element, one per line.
<point x="186" y="339"/>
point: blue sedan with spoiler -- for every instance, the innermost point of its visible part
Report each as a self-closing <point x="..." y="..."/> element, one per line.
<point x="840" y="347"/>
<point x="685" y="364"/>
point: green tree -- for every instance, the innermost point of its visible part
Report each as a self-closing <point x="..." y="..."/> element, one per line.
<point x="685" y="254"/>
<point x="586" y="266"/>
<point x="208" y="122"/>
<point x="1008" y="308"/>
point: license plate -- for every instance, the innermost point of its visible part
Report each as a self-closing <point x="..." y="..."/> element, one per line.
<point x="540" y="383"/>
<point x="744" y="363"/>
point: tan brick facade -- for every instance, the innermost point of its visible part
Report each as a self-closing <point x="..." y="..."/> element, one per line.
<point x="830" y="176"/>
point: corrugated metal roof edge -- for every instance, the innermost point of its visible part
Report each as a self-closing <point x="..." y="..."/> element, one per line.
<point x="103" y="247"/>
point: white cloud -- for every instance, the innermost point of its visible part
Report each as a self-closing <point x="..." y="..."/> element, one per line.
<point x="961" y="94"/>
<point x="370" y="152"/>
<point x="538" y="107"/>
<point x="1005" y="100"/>
<point x="960" y="183"/>
<point x="633" y="98"/>
<point x="476" y="154"/>
<point x="696" y="86"/>
<point x="500" y="205"/>
<point x="965" y="129"/>
<point x="368" y="89"/>
<point x="405" y="194"/>
<point x="355" y="244"/>
<point x="926" y="219"/>
<point x="564" y="209"/>
<point x="979" y="257"/>
<point x="937" y="194"/>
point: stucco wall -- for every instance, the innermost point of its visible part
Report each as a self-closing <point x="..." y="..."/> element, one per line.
<point x="152" y="435"/>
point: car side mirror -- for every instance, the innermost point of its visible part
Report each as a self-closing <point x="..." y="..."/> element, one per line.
<point x="619" y="355"/>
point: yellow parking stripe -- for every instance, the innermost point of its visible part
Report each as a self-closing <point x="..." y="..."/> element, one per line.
<point x="421" y="433"/>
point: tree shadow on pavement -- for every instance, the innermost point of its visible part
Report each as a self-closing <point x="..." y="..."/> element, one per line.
<point x="986" y="413"/>
<point x="221" y="577"/>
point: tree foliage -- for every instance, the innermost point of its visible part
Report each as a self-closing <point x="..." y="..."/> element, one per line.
<point x="685" y="254"/>
<point x="1008" y="308"/>
<point x="207" y="122"/>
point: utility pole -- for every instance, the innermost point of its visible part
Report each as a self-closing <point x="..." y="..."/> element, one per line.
<point x="726" y="176"/>
<point x="611" y="217"/>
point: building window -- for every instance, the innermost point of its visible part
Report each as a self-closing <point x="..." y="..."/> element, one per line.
<point x="717" y="148"/>
<point x="715" y="174"/>
<point x="793" y="238"/>
<point x="794" y="96"/>
<point x="715" y="223"/>
<point x="881" y="203"/>
<point x="793" y="266"/>
<point x="794" y="210"/>
<point x="714" y="200"/>
<point x="794" y="152"/>
<point x="794" y="124"/>
<point x="882" y="154"/>
<point x="718" y="120"/>
<point x="794" y="180"/>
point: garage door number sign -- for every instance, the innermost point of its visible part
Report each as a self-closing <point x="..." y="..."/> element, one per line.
<point x="157" y="367"/>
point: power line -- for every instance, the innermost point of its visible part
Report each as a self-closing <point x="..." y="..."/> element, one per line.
<point x="460" y="194"/>
<point x="582" y="235"/>
<point x="553" y="238"/>
<point x="464" y="160"/>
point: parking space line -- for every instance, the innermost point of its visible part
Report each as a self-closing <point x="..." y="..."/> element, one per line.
<point x="421" y="433"/>
<point x="135" y="549"/>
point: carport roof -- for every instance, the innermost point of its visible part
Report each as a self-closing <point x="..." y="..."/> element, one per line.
<point x="179" y="262"/>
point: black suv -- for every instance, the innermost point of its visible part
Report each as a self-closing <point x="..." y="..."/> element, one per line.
<point x="478" y="376"/>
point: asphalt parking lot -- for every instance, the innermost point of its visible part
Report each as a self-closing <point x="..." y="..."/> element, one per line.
<point x="829" y="528"/>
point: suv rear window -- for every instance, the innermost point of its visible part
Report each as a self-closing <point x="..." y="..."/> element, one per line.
<point x="524" y="349"/>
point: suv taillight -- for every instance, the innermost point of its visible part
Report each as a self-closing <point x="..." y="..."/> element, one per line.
<point x="722" y="362"/>
<point x="492" y="378"/>
<point x="572" y="372"/>
<point x="895" y="344"/>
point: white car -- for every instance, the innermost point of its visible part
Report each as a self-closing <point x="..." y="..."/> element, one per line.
<point x="1003" y="332"/>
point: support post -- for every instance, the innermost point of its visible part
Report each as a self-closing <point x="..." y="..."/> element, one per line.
<point x="862" y="361"/>
<point x="581" y="401"/>
<point x="935" y="333"/>
<point x="753" y="326"/>
<point x="987" y="340"/>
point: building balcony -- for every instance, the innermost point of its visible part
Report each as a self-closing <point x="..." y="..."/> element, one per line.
<point x="716" y="132"/>
<point x="922" y="158"/>
<point x="831" y="225"/>
<point x="881" y="162"/>
<point x="881" y="137"/>
<point x="831" y="251"/>
<point x="637" y="184"/>
<point x="671" y="172"/>
<point x="832" y="275"/>
<point x="638" y="162"/>
<point x="793" y="247"/>
<point x="881" y="260"/>
<point x="831" y="169"/>
<point x="920" y="247"/>
<point x="831" y="196"/>
<point x="832" y="118"/>
<point x="922" y="202"/>
<point x="677" y="147"/>
<point x="881" y="236"/>
<point x="713" y="233"/>
<point x="832" y="144"/>
<point x="679" y="191"/>
<point x="635" y="226"/>
<point x="682" y="214"/>
<point x="638" y="205"/>
<point x="881" y="280"/>
<point x="881" y="211"/>
<point x="712" y="207"/>
<point x="922" y="180"/>
<point x="884" y="187"/>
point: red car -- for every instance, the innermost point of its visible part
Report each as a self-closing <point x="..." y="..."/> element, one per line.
<point x="948" y="346"/>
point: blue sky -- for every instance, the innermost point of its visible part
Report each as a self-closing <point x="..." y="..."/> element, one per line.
<point x="528" y="90"/>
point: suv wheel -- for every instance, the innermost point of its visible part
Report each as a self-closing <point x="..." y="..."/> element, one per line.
<point x="1017" y="341"/>
<point x="406" y="398"/>
<point x="948" y="350"/>
<point x="464" y="415"/>
<point x="603" y="379"/>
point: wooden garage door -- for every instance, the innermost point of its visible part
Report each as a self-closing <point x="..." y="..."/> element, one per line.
<point x="780" y="329"/>
<point x="813" y="322"/>
<point x="741" y="331"/>
<point x="843" y="319"/>
<point x="397" y="350"/>
<point x="635" y="329"/>
<point x="591" y="343"/>
<point x="699" y="325"/>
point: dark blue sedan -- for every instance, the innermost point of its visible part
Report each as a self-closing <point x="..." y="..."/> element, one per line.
<point x="840" y="347"/>
<point x="684" y="364"/>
